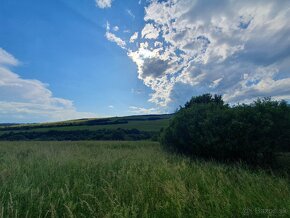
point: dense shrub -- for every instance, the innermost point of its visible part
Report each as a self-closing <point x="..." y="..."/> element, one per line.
<point x="207" y="127"/>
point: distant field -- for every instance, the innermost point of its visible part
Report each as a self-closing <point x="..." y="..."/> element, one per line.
<point x="145" y="127"/>
<point x="149" y="123"/>
<point x="130" y="179"/>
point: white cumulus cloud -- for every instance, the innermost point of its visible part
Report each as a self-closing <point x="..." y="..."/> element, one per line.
<point x="240" y="49"/>
<point x="104" y="3"/>
<point x="134" y="37"/>
<point x="150" y="31"/>
<point x="27" y="100"/>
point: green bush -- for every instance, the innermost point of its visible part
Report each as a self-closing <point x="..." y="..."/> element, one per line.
<point x="207" y="127"/>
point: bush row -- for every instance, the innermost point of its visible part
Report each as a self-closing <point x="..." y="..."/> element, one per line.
<point x="102" y="134"/>
<point x="207" y="127"/>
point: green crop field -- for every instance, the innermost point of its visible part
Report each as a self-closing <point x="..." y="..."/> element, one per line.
<point x="130" y="179"/>
<point x="147" y="123"/>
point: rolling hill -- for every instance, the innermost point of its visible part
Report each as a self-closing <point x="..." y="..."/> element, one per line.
<point x="85" y="129"/>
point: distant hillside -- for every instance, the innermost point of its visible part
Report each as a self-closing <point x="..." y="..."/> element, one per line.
<point x="8" y="124"/>
<point x="144" y="126"/>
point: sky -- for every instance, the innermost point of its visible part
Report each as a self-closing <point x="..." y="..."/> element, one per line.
<point x="69" y="59"/>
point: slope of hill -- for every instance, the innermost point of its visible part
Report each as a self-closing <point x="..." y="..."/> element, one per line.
<point x="135" y="127"/>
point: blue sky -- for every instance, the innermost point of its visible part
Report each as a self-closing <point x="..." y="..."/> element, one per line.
<point x="64" y="59"/>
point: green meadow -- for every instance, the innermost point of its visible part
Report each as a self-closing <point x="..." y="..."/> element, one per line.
<point x="131" y="179"/>
<point x="154" y="126"/>
<point x="148" y="123"/>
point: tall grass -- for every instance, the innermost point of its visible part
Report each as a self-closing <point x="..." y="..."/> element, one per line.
<point x="129" y="179"/>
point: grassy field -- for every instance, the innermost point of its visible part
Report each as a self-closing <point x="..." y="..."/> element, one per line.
<point x="130" y="179"/>
<point x="152" y="125"/>
<point x="149" y="123"/>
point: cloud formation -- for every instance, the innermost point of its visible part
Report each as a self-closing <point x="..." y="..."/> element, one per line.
<point x="26" y="100"/>
<point x="141" y="110"/>
<point x="116" y="28"/>
<point x="113" y="38"/>
<point x="150" y="31"/>
<point x="240" y="49"/>
<point x="134" y="37"/>
<point x="104" y="3"/>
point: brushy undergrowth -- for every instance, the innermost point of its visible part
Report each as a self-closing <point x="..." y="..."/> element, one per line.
<point x="130" y="179"/>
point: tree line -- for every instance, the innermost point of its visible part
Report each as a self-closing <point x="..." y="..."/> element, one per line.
<point x="76" y="135"/>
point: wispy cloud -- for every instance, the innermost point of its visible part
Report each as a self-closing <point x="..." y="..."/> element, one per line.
<point x="113" y="38"/>
<point x="116" y="28"/>
<point x="7" y="59"/>
<point x="130" y="13"/>
<point x="137" y="91"/>
<point x="141" y="110"/>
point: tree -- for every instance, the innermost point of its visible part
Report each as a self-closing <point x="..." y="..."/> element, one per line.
<point x="205" y="99"/>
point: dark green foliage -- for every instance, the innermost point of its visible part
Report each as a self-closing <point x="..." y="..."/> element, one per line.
<point x="205" y="99"/>
<point x="102" y="134"/>
<point x="207" y="127"/>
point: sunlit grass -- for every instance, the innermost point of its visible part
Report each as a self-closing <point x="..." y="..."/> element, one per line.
<point x="128" y="179"/>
